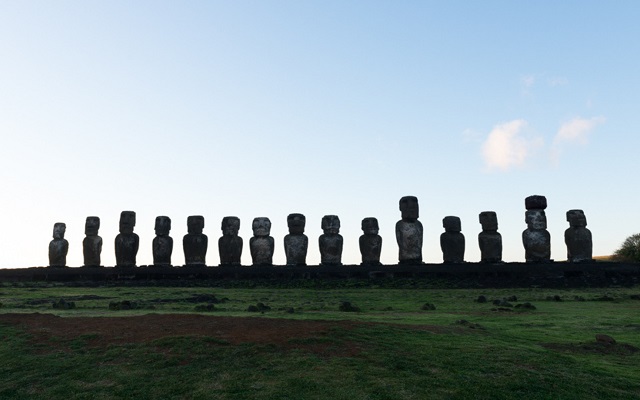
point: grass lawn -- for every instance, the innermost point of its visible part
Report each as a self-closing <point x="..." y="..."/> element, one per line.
<point x="299" y="345"/>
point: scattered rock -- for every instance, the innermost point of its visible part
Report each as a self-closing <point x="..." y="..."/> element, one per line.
<point x="122" y="305"/>
<point x="481" y="299"/>
<point x="346" y="306"/>
<point x="512" y="298"/>
<point x="554" y="298"/>
<point x="501" y="309"/>
<point x="502" y="303"/>
<point x="62" y="304"/>
<point x="526" y="306"/>
<point x="290" y="310"/>
<point x="259" y="307"/>
<point x="602" y="338"/>
<point x="471" y="325"/>
<point x="428" y="307"/>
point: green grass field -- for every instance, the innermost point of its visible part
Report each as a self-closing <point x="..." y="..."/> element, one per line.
<point x="390" y="349"/>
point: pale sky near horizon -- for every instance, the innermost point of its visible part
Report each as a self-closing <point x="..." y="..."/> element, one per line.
<point x="265" y="108"/>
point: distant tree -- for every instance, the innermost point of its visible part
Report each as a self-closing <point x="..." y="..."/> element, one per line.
<point x="630" y="249"/>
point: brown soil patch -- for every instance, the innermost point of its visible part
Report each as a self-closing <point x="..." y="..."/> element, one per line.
<point x="621" y="349"/>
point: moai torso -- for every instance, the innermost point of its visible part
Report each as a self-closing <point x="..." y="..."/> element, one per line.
<point x="58" y="247"/>
<point x="330" y="241"/>
<point x="296" y="242"/>
<point x="452" y="240"/>
<point x="409" y="232"/>
<point x="489" y="239"/>
<point x="578" y="238"/>
<point x="163" y="243"/>
<point x="230" y="244"/>
<point x="536" y="239"/>
<point x="370" y="242"/>
<point x="127" y="242"/>
<point x="195" y="243"/>
<point x="92" y="243"/>
<point x="261" y="244"/>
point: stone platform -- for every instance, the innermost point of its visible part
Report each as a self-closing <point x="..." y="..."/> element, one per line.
<point x="466" y="275"/>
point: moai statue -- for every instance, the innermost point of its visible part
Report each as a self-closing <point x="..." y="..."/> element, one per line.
<point x="58" y="247"/>
<point x="195" y="242"/>
<point x="409" y="232"/>
<point x="92" y="243"/>
<point x="536" y="239"/>
<point x="261" y="244"/>
<point x="296" y="242"/>
<point x="162" y="243"/>
<point x="230" y="244"/>
<point x="489" y="239"/>
<point x="330" y="241"/>
<point x="578" y="238"/>
<point x="370" y="242"/>
<point x="127" y="242"/>
<point x="452" y="240"/>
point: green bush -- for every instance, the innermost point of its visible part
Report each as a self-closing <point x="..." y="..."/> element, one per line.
<point x="630" y="249"/>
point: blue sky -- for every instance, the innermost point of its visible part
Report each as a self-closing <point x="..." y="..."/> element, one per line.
<point x="265" y="108"/>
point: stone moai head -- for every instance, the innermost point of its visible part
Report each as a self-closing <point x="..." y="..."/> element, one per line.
<point x="489" y="220"/>
<point x="536" y="219"/>
<point x="91" y="226"/>
<point x="195" y="224"/>
<point x="576" y="218"/>
<point x="163" y="225"/>
<point x="370" y="226"/>
<point x="59" y="229"/>
<point x="230" y="226"/>
<point x="127" y="221"/>
<point x="296" y="223"/>
<point x="261" y="226"/>
<point x="409" y="208"/>
<point x="331" y="224"/>
<point x="535" y="202"/>
<point x="452" y="224"/>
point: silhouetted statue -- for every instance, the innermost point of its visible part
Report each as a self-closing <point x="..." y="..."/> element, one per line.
<point x="409" y="232"/>
<point x="296" y="242"/>
<point x="489" y="239"/>
<point x="261" y="244"/>
<point x="162" y="243"/>
<point x="452" y="240"/>
<point x="58" y="247"/>
<point x="92" y="243"/>
<point x="370" y="242"/>
<point x="195" y="243"/>
<point x="127" y="242"/>
<point x="536" y="239"/>
<point x="578" y="238"/>
<point x="330" y="241"/>
<point x="230" y="244"/>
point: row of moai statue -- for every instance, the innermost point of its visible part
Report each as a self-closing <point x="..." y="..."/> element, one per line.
<point x="409" y="234"/>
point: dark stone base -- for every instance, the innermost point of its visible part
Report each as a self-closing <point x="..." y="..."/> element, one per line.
<point x="467" y="275"/>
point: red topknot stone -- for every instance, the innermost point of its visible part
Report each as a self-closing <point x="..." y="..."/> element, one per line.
<point x="535" y="202"/>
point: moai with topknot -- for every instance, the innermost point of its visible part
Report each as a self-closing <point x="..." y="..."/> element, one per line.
<point x="489" y="239"/>
<point x="296" y="242"/>
<point x="578" y="238"/>
<point x="195" y="243"/>
<point x="230" y="244"/>
<point x="92" y="243"/>
<point x="127" y="242"/>
<point x="330" y="241"/>
<point x="261" y="244"/>
<point x="162" y="243"/>
<point x="409" y="232"/>
<point x="536" y="239"/>
<point x="452" y="240"/>
<point x="59" y="246"/>
<point x="370" y="242"/>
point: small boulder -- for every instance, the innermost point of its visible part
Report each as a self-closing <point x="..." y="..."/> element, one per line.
<point x="428" y="307"/>
<point x="481" y="299"/>
<point x="606" y="339"/>
<point x="526" y="306"/>
<point x="348" y="307"/>
<point x="62" y="304"/>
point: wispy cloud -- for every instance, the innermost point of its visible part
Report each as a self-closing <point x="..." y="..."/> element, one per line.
<point x="575" y="131"/>
<point x="527" y="82"/>
<point x="558" y="81"/>
<point x="507" y="147"/>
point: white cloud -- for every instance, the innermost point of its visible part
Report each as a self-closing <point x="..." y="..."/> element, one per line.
<point x="575" y="131"/>
<point x="558" y="81"/>
<point x="506" y="146"/>
<point x="528" y="80"/>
